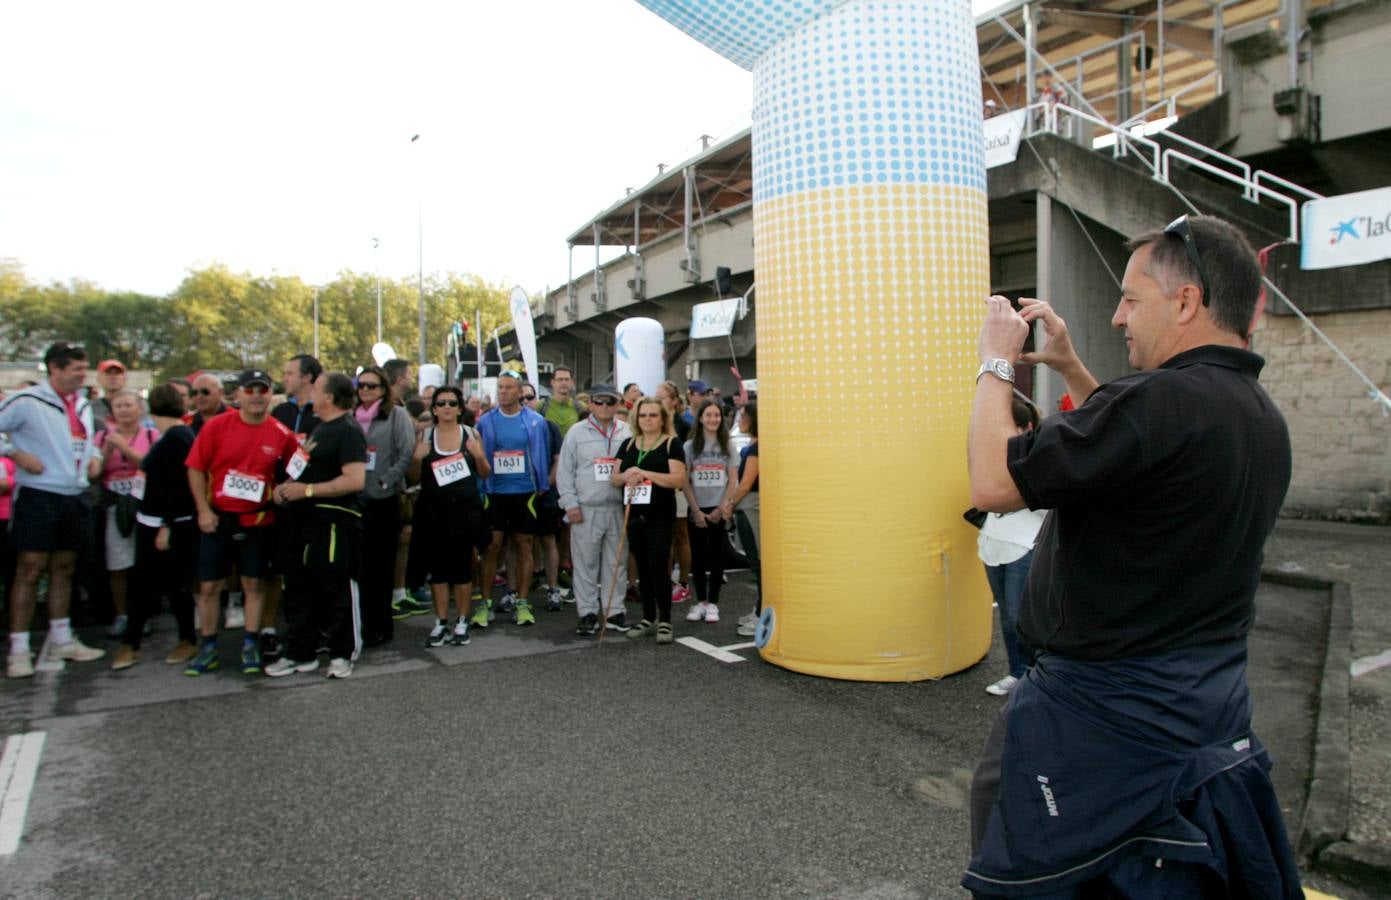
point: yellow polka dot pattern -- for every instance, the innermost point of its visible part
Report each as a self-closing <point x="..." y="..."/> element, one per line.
<point x="869" y="305"/>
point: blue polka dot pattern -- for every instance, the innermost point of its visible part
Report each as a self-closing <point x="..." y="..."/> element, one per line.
<point x="739" y="30"/>
<point x="871" y="93"/>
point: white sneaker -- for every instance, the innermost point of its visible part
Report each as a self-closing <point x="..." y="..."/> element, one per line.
<point x="339" y="667"/>
<point x="748" y="619"/>
<point x="118" y="626"/>
<point x="286" y="666"/>
<point x="712" y="612"/>
<point x="697" y="613"/>
<point x="236" y="616"/>
<point x="75" y="651"/>
<point x="1002" y="687"/>
<point x="20" y="665"/>
<point x="749" y="630"/>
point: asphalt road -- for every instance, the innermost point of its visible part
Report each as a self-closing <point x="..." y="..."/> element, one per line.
<point x="532" y="763"/>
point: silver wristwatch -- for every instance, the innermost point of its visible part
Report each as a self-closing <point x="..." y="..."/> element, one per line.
<point x="1000" y="368"/>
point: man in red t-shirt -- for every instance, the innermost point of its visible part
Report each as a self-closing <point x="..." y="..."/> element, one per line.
<point x="232" y="468"/>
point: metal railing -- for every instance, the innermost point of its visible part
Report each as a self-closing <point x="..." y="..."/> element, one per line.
<point x="1159" y="159"/>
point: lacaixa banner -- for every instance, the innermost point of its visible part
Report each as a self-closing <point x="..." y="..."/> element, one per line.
<point x="1347" y="230"/>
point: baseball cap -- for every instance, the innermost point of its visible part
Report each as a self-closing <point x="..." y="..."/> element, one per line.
<point x="604" y="390"/>
<point x="254" y="376"/>
<point x="110" y="364"/>
<point x="698" y="387"/>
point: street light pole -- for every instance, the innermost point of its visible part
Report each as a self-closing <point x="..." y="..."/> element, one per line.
<point x="377" y="262"/>
<point x="420" y="244"/>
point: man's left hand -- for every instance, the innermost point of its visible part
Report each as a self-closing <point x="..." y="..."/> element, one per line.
<point x="1004" y="331"/>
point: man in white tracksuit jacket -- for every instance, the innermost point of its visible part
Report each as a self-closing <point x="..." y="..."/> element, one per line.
<point x="594" y="509"/>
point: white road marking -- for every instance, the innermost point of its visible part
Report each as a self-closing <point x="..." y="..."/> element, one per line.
<point x="19" y="764"/>
<point x="744" y="646"/>
<point x="1371" y="663"/>
<point x="710" y="649"/>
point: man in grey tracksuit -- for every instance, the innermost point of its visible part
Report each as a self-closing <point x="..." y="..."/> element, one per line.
<point x="594" y="509"/>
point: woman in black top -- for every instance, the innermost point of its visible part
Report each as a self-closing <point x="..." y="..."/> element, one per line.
<point x="651" y="470"/>
<point x="675" y="404"/>
<point x="166" y="534"/>
<point x="449" y="522"/>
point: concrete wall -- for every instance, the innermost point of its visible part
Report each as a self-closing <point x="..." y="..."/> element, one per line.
<point x="1345" y="66"/>
<point x="1342" y="443"/>
<point x="1083" y="292"/>
<point x="725" y="241"/>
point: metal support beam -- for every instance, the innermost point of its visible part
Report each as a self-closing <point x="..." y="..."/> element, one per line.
<point x="1046" y="390"/>
<point x="1292" y="18"/>
<point x="572" y="308"/>
<point x="692" y="261"/>
<point x="600" y="300"/>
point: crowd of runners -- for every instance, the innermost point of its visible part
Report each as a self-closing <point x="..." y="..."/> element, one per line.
<point x="312" y="523"/>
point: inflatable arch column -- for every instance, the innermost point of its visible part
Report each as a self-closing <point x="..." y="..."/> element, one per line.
<point x="871" y="258"/>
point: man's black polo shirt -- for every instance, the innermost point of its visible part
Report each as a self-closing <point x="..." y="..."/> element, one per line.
<point x="299" y="419"/>
<point x="1164" y="486"/>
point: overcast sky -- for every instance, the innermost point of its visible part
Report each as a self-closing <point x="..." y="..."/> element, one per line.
<point x="139" y="140"/>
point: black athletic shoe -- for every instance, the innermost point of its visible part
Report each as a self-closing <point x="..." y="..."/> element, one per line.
<point x="618" y="622"/>
<point x="439" y="635"/>
<point x="270" y="646"/>
<point x="588" y="625"/>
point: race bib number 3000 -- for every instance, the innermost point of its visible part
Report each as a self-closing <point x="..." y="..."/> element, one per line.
<point x="509" y="462"/>
<point x="240" y="486"/>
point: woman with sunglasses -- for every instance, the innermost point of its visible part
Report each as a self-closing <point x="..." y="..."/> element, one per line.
<point x="390" y="443"/>
<point x="651" y="472"/>
<point x="449" y="523"/>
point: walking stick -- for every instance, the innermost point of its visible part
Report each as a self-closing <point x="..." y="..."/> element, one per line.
<point x="613" y="578"/>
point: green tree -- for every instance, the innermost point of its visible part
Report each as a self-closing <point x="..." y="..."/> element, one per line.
<point x="133" y="328"/>
<point x="32" y="316"/>
<point x="227" y="320"/>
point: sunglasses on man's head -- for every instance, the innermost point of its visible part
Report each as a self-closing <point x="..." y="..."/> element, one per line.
<point x="1181" y="229"/>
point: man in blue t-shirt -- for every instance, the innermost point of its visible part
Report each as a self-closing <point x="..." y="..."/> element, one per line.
<point x="516" y="441"/>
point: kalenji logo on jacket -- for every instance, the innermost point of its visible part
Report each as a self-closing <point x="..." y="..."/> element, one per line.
<point x="1048" y="795"/>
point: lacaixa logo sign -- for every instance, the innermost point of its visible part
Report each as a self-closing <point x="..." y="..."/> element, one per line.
<point x="1347" y="230"/>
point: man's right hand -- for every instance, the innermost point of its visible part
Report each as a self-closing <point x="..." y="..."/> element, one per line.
<point x="574" y="515"/>
<point x="1057" y="352"/>
<point x="28" y="462"/>
<point x="207" y="522"/>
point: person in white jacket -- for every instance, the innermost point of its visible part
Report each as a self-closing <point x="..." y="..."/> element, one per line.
<point x="594" y="508"/>
<point x="1006" y="546"/>
<point x="50" y="435"/>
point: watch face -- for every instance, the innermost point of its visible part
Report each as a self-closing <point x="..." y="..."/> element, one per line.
<point x="1003" y="369"/>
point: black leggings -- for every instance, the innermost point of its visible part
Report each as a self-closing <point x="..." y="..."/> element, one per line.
<point x="382" y="520"/>
<point x="159" y="573"/>
<point x="707" y="558"/>
<point x="649" y="540"/>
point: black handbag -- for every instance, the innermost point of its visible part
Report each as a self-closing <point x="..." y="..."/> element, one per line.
<point x="975" y="516"/>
